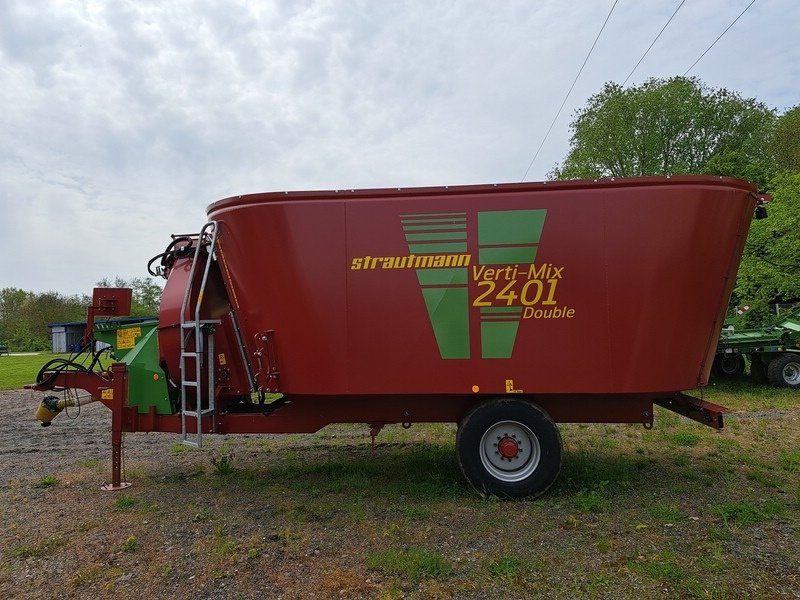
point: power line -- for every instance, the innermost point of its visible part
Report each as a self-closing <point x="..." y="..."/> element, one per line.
<point x="585" y="60"/>
<point x="720" y="36"/>
<point x="653" y="43"/>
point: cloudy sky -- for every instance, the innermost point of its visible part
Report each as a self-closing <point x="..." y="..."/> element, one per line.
<point x="120" y="121"/>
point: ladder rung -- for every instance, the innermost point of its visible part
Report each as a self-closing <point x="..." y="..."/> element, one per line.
<point x="190" y="443"/>
<point x="203" y="413"/>
<point x="192" y="324"/>
<point x="192" y="354"/>
<point x="191" y="383"/>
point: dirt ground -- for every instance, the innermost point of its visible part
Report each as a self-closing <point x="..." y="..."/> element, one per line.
<point x="188" y="529"/>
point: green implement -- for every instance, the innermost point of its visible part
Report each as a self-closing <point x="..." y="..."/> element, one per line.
<point x="774" y="352"/>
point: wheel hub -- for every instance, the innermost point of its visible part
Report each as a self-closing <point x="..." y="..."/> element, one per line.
<point x="510" y="451"/>
<point x="508" y="448"/>
<point x="791" y="373"/>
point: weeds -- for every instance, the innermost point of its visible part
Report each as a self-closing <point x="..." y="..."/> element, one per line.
<point x="412" y="565"/>
<point x="670" y="514"/>
<point x="34" y="550"/>
<point x="130" y="544"/>
<point x="223" y="465"/>
<point x="47" y="481"/>
<point x="742" y="513"/>
<point x="506" y="567"/>
<point x="125" y="502"/>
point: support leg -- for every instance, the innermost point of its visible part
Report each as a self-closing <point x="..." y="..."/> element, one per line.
<point x="119" y="390"/>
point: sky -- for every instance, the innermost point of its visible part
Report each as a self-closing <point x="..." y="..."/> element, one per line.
<point x="121" y="121"/>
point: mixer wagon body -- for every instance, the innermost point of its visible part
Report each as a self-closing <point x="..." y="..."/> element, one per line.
<point x="502" y="308"/>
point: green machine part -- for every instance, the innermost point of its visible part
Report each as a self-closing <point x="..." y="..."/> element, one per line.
<point x="136" y="345"/>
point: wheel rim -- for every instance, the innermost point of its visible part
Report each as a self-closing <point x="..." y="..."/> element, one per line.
<point x="791" y="373"/>
<point x="510" y="451"/>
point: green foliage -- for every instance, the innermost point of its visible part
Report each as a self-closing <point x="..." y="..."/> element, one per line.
<point x="786" y="143"/>
<point x="669" y="127"/>
<point x="24" y="317"/>
<point x="770" y="268"/>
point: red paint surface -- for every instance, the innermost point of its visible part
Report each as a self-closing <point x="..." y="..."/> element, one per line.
<point x="648" y="268"/>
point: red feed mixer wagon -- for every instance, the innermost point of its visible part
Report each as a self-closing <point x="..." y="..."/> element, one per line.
<point x="503" y="308"/>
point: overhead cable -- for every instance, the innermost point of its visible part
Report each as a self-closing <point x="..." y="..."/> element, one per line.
<point x="636" y="66"/>
<point x="720" y="37"/>
<point x="585" y="60"/>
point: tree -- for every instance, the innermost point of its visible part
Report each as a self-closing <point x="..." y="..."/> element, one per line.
<point x="24" y="316"/>
<point x="786" y="143"/>
<point x="770" y="268"/>
<point x="669" y="127"/>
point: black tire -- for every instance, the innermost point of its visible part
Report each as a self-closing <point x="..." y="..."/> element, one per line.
<point x="529" y="458"/>
<point x="784" y="370"/>
<point x="728" y="365"/>
<point x="758" y="370"/>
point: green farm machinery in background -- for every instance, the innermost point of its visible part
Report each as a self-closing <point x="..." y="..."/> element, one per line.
<point x="773" y="351"/>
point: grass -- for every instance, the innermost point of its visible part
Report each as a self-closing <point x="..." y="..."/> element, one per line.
<point x="679" y="511"/>
<point x="47" y="481"/>
<point x="412" y="564"/>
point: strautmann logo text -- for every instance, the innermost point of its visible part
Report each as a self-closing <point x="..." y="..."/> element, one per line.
<point x="509" y="286"/>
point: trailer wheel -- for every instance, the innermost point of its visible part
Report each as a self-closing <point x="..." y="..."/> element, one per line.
<point x="728" y="365"/>
<point x="784" y="370"/>
<point x="758" y="370"/>
<point x="509" y="448"/>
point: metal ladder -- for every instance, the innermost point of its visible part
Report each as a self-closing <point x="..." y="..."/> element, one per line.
<point x="193" y="357"/>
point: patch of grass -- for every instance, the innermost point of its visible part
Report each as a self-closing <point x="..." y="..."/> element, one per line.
<point x="47" y="481"/>
<point x="18" y="371"/>
<point x="203" y="515"/>
<point x="180" y="448"/>
<point x="506" y="567"/>
<point x="130" y="544"/>
<point x="311" y="513"/>
<point x="743" y="513"/>
<point x="427" y="472"/>
<point x="413" y="512"/>
<point x="764" y="478"/>
<point x="743" y="394"/>
<point x="592" y="500"/>
<point x="585" y="470"/>
<point x="223" y="465"/>
<point x="790" y="461"/>
<point x="35" y="550"/>
<point x="95" y="573"/>
<point x="125" y="502"/>
<point x="668" y="513"/>
<point x="686" y="439"/>
<point x="663" y="566"/>
<point x="412" y="564"/>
